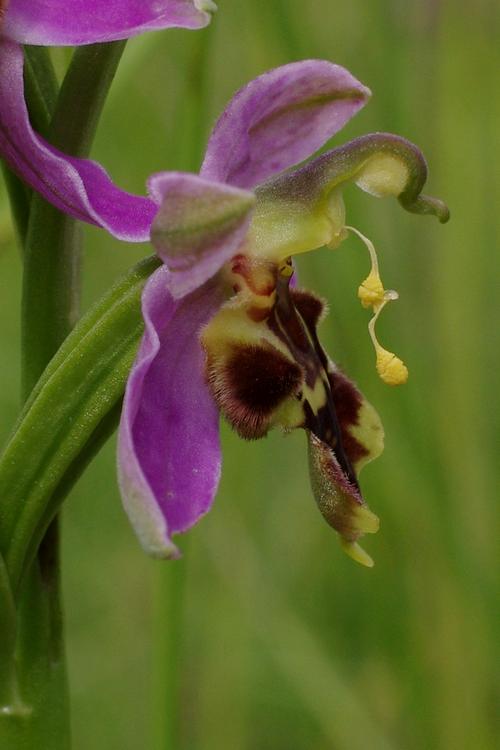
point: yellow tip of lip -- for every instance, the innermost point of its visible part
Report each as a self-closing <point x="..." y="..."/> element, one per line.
<point x="357" y="553"/>
<point x="366" y="521"/>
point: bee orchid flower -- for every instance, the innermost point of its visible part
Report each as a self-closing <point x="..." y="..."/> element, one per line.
<point x="227" y="331"/>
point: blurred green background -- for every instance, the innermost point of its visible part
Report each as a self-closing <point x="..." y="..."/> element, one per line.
<point x="282" y="641"/>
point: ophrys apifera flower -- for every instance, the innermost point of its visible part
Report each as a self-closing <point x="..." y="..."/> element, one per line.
<point x="227" y="331"/>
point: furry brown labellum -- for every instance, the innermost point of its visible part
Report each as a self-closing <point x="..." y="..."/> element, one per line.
<point x="250" y="383"/>
<point x="270" y="370"/>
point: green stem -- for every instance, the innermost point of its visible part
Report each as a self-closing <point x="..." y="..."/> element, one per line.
<point x="19" y="199"/>
<point x="83" y="94"/>
<point x="24" y="672"/>
<point x="40" y="87"/>
<point x="52" y="253"/>
<point x="40" y="661"/>
<point x="168" y="657"/>
<point x="50" y="307"/>
<point x="10" y="702"/>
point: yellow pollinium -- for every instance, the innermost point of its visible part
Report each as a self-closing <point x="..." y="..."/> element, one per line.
<point x="391" y="369"/>
<point x="371" y="291"/>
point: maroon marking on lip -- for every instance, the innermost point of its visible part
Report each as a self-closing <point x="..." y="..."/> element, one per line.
<point x="250" y="385"/>
<point x="295" y="325"/>
<point x="347" y="400"/>
<point x="287" y="324"/>
<point x="310" y="307"/>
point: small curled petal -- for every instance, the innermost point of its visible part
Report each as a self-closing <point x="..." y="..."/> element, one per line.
<point x="381" y="164"/>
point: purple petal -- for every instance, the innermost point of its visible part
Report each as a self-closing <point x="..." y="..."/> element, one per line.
<point x="279" y="119"/>
<point x="169" y="453"/>
<point x="200" y="225"/>
<point x="78" y="187"/>
<point x="75" y="22"/>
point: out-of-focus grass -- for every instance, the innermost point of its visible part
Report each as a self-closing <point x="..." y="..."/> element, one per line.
<point x="286" y="643"/>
